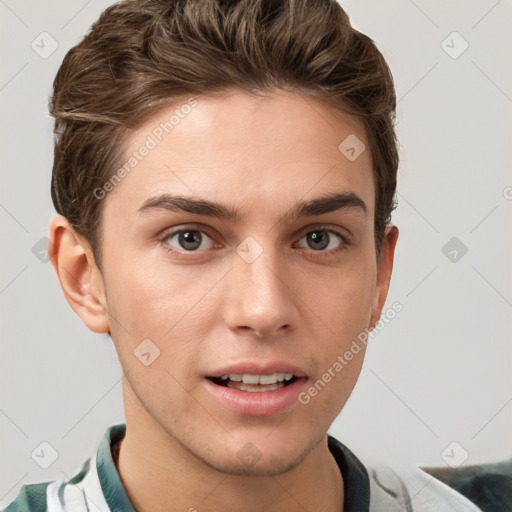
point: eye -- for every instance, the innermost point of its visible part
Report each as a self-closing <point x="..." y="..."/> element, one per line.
<point x="322" y="239"/>
<point x="188" y="240"/>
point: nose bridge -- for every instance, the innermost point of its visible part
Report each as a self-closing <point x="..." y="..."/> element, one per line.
<point x="259" y="297"/>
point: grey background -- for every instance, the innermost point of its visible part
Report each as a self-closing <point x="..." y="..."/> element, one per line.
<point x="438" y="373"/>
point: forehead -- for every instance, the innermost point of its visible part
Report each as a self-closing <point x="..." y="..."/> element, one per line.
<point x="245" y="149"/>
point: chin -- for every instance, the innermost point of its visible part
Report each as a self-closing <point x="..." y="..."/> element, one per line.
<point x="264" y="467"/>
<point x="251" y="461"/>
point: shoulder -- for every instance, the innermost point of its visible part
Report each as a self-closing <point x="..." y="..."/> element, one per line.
<point x="62" y="495"/>
<point x="409" y="488"/>
<point x="394" y="488"/>
<point x="81" y="492"/>
<point x="480" y="487"/>
<point x="31" y="498"/>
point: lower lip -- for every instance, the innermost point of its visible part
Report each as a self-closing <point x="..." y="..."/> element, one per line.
<point x="260" y="403"/>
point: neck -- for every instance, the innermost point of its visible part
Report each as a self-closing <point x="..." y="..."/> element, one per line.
<point x="159" y="474"/>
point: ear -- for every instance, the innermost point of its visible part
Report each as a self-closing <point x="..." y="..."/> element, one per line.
<point x="384" y="269"/>
<point x="79" y="277"/>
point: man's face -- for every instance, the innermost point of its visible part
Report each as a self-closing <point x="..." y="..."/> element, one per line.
<point x="268" y="292"/>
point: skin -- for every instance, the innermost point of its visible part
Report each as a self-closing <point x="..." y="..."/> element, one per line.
<point x="209" y="308"/>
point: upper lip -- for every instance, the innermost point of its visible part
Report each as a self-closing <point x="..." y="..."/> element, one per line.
<point x="255" y="368"/>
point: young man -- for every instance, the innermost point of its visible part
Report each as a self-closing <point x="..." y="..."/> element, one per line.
<point x="224" y="178"/>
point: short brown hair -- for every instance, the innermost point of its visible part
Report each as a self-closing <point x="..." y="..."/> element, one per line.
<point x="143" y="54"/>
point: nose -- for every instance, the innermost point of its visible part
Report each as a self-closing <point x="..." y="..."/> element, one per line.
<point x="261" y="299"/>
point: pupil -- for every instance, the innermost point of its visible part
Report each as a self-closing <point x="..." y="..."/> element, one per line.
<point x="318" y="237"/>
<point x="190" y="240"/>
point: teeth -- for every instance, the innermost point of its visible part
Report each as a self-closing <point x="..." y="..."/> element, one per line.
<point x="268" y="379"/>
<point x="249" y="378"/>
<point x="253" y="389"/>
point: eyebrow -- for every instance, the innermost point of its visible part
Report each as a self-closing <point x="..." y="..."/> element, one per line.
<point x="317" y="206"/>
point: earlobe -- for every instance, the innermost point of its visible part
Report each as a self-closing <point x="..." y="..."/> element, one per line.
<point x="384" y="270"/>
<point x="79" y="277"/>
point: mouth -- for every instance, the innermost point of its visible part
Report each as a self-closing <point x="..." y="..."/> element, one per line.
<point x="254" y="383"/>
<point x="253" y="389"/>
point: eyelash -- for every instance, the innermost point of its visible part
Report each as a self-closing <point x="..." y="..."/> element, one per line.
<point x="315" y="254"/>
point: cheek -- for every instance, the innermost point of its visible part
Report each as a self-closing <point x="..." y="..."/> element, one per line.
<point x="168" y="306"/>
<point x="145" y="292"/>
<point x="343" y="300"/>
